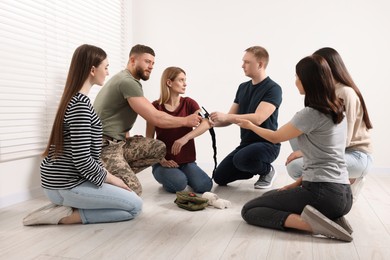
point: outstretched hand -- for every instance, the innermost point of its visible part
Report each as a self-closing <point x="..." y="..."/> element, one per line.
<point x="193" y="120"/>
<point x="218" y="117"/>
<point x="244" y="123"/>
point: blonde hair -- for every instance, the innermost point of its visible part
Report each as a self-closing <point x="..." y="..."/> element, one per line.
<point x="260" y="53"/>
<point x="169" y="73"/>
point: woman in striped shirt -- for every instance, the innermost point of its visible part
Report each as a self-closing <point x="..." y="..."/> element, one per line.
<point x="73" y="177"/>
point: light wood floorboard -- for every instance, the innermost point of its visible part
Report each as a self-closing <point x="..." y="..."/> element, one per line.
<point x="164" y="231"/>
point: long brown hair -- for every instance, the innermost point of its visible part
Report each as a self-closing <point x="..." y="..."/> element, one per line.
<point x="319" y="85"/>
<point x="169" y="73"/>
<point x="341" y="74"/>
<point x="84" y="58"/>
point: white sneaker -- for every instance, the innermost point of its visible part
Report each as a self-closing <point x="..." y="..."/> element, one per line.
<point x="343" y="222"/>
<point x="321" y="225"/>
<point x="47" y="215"/>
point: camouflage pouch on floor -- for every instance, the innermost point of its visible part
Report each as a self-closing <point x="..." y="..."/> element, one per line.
<point x="190" y="201"/>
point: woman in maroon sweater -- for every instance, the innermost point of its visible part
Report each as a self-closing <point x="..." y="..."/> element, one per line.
<point x="178" y="169"/>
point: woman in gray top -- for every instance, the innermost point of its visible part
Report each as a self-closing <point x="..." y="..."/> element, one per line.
<point x="323" y="192"/>
<point x="358" y="151"/>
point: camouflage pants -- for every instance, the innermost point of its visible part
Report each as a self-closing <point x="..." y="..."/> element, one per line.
<point x="126" y="158"/>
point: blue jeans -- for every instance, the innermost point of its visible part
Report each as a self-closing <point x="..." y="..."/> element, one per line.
<point x="246" y="161"/>
<point x="272" y="208"/>
<point x="358" y="163"/>
<point x="177" y="179"/>
<point x="108" y="203"/>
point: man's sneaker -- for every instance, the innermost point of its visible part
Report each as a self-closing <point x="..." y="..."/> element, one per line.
<point x="265" y="181"/>
<point x="49" y="214"/>
<point x="321" y="225"/>
<point x="343" y="222"/>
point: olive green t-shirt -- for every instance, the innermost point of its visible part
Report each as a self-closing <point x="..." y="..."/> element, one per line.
<point x="112" y="107"/>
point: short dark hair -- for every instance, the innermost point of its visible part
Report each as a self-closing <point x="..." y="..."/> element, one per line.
<point x="140" y="49"/>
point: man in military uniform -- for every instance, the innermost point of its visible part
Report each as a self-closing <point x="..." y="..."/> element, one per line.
<point x="118" y="104"/>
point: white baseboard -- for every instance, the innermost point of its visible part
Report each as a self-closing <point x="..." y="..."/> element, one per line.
<point x="20" y="197"/>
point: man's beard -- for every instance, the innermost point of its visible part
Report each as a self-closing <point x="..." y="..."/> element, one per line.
<point x="139" y="73"/>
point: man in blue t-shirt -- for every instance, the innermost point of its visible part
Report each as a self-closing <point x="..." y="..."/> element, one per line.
<point x="257" y="100"/>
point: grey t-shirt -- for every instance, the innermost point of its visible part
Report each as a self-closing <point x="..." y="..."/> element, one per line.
<point x="112" y="107"/>
<point x="323" y="146"/>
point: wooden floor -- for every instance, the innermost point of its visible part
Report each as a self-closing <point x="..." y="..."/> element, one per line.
<point x="164" y="231"/>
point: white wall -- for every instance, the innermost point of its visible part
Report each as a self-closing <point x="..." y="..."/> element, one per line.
<point x="20" y="179"/>
<point x="208" y="38"/>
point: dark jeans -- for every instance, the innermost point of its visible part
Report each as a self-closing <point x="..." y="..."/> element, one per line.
<point x="246" y="161"/>
<point x="272" y="208"/>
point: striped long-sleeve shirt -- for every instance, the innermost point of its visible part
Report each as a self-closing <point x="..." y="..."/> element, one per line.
<point x="80" y="160"/>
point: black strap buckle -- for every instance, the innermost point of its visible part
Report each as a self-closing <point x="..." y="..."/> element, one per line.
<point x="203" y="113"/>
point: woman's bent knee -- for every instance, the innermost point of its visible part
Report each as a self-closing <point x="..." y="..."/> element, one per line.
<point x="294" y="169"/>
